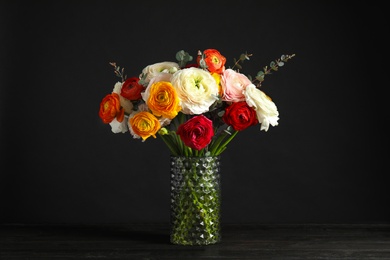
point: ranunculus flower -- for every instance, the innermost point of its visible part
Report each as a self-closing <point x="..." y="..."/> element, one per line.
<point x="162" y="99"/>
<point x="143" y="124"/>
<point x="119" y="127"/>
<point x="214" y="60"/>
<point x="240" y="116"/>
<point x="163" y="120"/>
<point x="131" y="89"/>
<point x="110" y="108"/>
<point x="217" y="78"/>
<point x="197" y="132"/>
<point x="125" y="103"/>
<point x="266" y="110"/>
<point x="196" y="88"/>
<point x="233" y="84"/>
<point x="163" y="76"/>
<point x="152" y="70"/>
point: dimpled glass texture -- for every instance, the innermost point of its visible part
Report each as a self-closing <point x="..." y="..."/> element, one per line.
<point x="195" y="200"/>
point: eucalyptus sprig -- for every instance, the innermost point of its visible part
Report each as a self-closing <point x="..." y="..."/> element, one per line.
<point x="243" y="57"/>
<point x="118" y="71"/>
<point x="273" y="66"/>
<point x="183" y="57"/>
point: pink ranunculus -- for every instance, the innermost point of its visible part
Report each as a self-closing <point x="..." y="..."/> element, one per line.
<point x="197" y="132"/>
<point x="233" y="84"/>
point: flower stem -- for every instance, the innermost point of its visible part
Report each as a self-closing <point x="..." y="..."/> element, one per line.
<point x="170" y="145"/>
<point x="223" y="146"/>
<point x="216" y="144"/>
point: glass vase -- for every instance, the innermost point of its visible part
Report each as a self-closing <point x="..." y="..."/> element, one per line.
<point x="195" y="200"/>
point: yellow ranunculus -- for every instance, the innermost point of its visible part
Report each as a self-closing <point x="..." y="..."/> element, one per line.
<point x="217" y="78"/>
<point x="163" y="100"/>
<point x="144" y="124"/>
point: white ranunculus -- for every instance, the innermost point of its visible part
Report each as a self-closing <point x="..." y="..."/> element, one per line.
<point x="266" y="110"/>
<point x="196" y="88"/>
<point x="143" y="107"/>
<point x="164" y="121"/>
<point x="119" y="127"/>
<point x="125" y="103"/>
<point x="153" y="70"/>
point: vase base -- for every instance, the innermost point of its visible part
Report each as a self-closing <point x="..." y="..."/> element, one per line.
<point x="194" y="243"/>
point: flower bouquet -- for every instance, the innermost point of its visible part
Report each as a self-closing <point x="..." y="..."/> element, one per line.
<point x="196" y="106"/>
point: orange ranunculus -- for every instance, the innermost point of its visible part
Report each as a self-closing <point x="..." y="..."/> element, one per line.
<point x="214" y="60"/>
<point x="110" y="108"/>
<point x="144" y="124"/>
<point x="163" y="100"/>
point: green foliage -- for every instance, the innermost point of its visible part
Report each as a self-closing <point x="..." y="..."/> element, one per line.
<point x="118" y="71"/>
<point x="183" y="57"/>
<point x="273" y="66"/>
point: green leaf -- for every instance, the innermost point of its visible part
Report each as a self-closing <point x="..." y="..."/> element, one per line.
<point x="260" y="78"/>
<point x="180" y="55"/>
<point x="202" y="64"/>
<point x="243" y="57"/>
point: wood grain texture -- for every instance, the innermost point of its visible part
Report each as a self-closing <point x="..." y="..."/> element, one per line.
<point x="151" y="241"/>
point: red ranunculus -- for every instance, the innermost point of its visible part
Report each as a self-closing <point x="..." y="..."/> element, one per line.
<point x="131" y="89"/>
<point x="110" y="108"/>
<point x="191" y="65"/>
<point x="197" y="132"/>
<point x="240" y="116"/>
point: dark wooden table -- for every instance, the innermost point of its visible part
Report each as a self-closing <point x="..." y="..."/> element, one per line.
<point x="151" y="241"/>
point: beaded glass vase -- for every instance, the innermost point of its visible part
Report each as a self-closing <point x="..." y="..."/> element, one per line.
<point x="195" y="200"/>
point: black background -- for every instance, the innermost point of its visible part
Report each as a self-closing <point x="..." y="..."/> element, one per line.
<point x="326" y="161"/>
